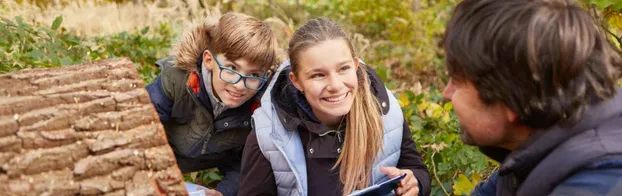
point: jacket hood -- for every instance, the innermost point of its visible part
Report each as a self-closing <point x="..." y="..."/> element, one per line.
<point x="189" y="48"/>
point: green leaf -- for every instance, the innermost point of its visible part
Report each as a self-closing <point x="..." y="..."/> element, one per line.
<point x="145" y="30"/>
<point x="382" y="73"/>
<point x="66" y="61"/>
<point x="444" y="168"/>
<point x="213" y="176"/>
<point x="36" y="54"/>
<point x="57" y="22"/>
<point x="193" y="175"/>
<point x="416" y="122"/>
<point x="411" y="95"/>
<point x="187" y="178"/>
<point x="9" y="22"/>
<point x="20" y="25"/>
<point x="20" y="20"/>
<point x="446" y="118"/>
<point x="205" y="177"/>
<point x="448" y="106"/>
<point x="463" y="185"/>
<point x="602" y="4"/>
<point x="403" y="100"/>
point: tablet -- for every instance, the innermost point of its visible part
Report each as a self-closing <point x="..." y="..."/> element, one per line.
<point x="381" y="189"/>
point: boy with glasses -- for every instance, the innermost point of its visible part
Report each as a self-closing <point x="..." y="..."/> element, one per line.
<point x="208" y="90"/>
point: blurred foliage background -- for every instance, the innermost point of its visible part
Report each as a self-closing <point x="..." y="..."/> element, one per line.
<point x="399" y="38"/>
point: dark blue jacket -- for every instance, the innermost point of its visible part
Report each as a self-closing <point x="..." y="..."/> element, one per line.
<point x="199" y="140"/>
<point x="585" y="159"/>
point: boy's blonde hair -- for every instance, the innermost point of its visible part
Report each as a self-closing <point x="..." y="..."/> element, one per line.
<point x="237" y="36"/>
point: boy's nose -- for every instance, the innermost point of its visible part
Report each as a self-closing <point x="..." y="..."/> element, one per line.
<point x="240" y="85"/>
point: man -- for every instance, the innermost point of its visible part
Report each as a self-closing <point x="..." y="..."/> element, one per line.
<point x="533" y="83"/>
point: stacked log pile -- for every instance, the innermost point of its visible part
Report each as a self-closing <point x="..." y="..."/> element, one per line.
<point x="83" y="130"/>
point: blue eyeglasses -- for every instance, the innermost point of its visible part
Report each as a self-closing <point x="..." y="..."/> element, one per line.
<point x="232" y="77"/>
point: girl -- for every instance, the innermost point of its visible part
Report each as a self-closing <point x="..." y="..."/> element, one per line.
<point x="327" y="125"/>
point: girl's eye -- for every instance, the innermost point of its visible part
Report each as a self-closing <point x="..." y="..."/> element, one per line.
<point x="344" y="68"/>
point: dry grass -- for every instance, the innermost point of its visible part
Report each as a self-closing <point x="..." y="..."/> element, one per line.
<point x="100" y="17"/>
<point x="91" y="18"/>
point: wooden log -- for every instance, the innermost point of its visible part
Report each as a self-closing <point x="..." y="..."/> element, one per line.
<point x="86" y="129"/>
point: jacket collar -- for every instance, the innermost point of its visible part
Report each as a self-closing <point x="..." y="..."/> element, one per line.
<point x="540" y="143"/>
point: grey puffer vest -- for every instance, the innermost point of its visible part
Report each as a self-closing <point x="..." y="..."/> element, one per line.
<point x="283" y="148"/>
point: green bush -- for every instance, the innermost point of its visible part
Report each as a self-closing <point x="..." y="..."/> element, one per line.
<point x="23" y="45"/>
<point x="434" y="126"/>
<point x="31" y="45"/>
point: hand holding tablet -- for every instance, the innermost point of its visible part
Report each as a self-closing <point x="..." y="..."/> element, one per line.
<point x="381" y="189"/>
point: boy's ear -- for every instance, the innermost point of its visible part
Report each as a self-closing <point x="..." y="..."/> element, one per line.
<point x="294" y="79"/>
<point x="207" y="60"/>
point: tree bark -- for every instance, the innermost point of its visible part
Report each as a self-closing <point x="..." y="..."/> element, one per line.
<point x="83" y="130"/>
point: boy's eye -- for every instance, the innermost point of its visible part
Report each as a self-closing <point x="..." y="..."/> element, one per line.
<point x="317" y="75"/>
<point x="231" y="67"/>
<point x="256" y="75"/>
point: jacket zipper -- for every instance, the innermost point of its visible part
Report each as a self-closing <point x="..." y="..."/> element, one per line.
<point x="338" y="133"/>
<point x="204" y="148"/>
<point x="196" y="101"/>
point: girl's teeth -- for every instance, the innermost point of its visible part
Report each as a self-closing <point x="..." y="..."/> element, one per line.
<point x="336" y="98"/>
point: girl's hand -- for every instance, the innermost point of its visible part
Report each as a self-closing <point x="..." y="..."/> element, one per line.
<point x="409" y="186"/>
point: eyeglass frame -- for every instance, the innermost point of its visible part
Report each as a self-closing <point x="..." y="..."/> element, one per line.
<point x="263" y="80"/>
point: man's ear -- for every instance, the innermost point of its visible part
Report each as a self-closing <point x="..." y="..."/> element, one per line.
<point x="511" y="115"/>
<point x="207" y="60"/>
<point x="295" y="81"/>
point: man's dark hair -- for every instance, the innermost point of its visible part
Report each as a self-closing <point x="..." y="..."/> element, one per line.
<point x="547" y="60"/>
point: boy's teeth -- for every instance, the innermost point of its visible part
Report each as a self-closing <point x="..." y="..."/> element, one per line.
<point x="235" y="94"/>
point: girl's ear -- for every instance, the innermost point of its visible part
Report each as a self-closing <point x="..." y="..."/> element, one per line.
<point x="207" y="60"/>
<point x="295" y="81"/>
<point x="356" y="63"/>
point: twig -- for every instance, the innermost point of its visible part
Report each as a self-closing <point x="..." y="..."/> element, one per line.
<point x="618" y="39"/>
<point x="436" y="176"/>
<point x="603" y="25"/>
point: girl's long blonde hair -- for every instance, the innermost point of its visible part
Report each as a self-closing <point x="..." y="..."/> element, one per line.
<point x="364" y="130"/>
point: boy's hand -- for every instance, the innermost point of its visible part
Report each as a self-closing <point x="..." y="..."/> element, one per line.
<point x="408" y="186"/>
<point x="212" y="192"/>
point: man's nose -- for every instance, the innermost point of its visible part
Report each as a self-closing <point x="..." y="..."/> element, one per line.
<point x="448" y="92"/>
